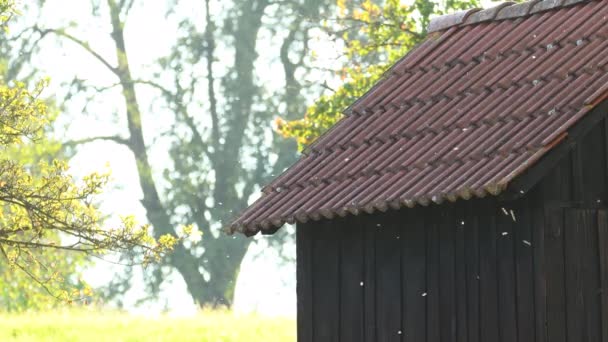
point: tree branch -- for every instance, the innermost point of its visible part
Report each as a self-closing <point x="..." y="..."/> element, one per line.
<point x="113" y="138"/>
<point x="82" y="44"/>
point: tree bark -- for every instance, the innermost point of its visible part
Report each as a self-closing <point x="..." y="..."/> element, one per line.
<point x="181" y="258"/>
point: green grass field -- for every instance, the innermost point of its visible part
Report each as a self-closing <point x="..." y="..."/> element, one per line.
<point x="88" y="325"/>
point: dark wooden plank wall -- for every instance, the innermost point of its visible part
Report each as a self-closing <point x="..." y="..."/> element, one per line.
<point x="445" y="275"/>
<point x="534" y="269"/>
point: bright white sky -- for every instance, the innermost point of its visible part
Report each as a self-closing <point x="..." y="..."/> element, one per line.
<point x="265" y="285"/>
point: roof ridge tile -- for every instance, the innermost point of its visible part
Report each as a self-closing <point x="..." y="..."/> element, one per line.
<point x="446" y="21"/>
<point x="517" y="10"/>
<point x="503" y="11"/>
<point x="487" y="14"/>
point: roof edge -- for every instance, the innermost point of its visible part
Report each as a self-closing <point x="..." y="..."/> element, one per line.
<point x="503" y="11"/>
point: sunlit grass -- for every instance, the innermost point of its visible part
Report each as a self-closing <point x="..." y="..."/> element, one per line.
<point x="89" y="325"/>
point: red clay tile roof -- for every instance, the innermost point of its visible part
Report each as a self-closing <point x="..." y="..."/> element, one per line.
<point x="485" y="96"/>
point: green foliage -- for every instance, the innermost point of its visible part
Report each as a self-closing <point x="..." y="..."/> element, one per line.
<point x="375" y="36"/>
<point x="17" y="290"/>
<point x="7" y="9"/>
<point x="48" y="219"/>
<point x="85" y="325"/>
<point x="19" y="293"/>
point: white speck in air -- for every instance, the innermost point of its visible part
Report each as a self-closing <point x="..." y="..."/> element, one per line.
<point x="424" y="294"/>
<point x="346" y="159"/>
<point x="526" y="242"/>
<point x="552" y="111"/>
<point x="361" y="284"/>
<point x="399" y="332"/>
<point x="505" y="233"/>
<point x="513" y="216"/>
<point x="505" y="211"/>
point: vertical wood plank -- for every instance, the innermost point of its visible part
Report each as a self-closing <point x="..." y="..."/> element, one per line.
<point x="506" y="275"/>
<point x="326" y="290"/>
<point x="432" y="279"/>
<point x="574" y="278"/>
<point x="592" y="168"/>
<point x="370" y="230"/>
<point x="554" y="263"/>
<point x="578" y="185"/>
<point x="414" y="276"/>
<point x="304" y="278"/>
<point x="524" y="264"/>
<point x="603" y="260"/>
<point x="548" y="248"/>
<point x="351" y="280"/>
<point x="540" y="275"/>
<point x="557" y="185"/>
<point x="388" y="280"/>
<point x="471" y="228"/>
<point x="460" y="274"/>
<point x="447" y="315"/>
<point x="591" y="276"/>
<point x="582" y="278"/>
<point x="488" y="278"/>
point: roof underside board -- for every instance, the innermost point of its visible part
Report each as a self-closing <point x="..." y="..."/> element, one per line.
<point x="460" y="116"/>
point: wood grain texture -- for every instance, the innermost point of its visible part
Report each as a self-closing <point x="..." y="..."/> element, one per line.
<point x="603" y="261"/>
<point x="388" y="281"/>
<point x="304" y="275"/>
<point x="351" y="280"/>
<point x="326" y="280"/>
<point x="413" y="277"/>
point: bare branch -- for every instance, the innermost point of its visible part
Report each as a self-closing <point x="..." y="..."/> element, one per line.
<point x="166" y="92"/>
<point x="83" y="44"/>
<point x="113" y="138"/>
<point x="125" y="6"/>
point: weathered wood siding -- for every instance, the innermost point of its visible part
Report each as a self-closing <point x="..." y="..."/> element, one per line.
<point x="533" y="269"/>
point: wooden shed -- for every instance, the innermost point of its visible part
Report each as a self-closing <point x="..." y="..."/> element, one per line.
<point x="464" y="197"/>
